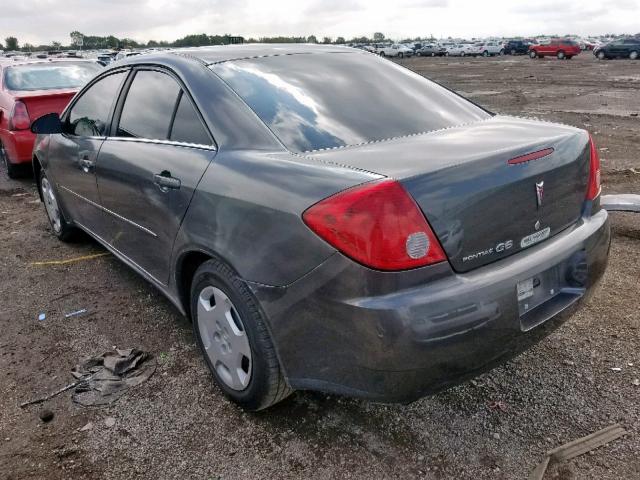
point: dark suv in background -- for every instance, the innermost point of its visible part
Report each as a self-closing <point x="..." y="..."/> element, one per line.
<point x="622" y="48"/>
<point x="517" y="47"/>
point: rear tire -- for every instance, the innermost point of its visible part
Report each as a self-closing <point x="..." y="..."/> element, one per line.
<point x="485" y="53"/>
<point x="59" y="225"/>
<point x="560" y="55"/>
<point x="633" y="55"/>
<point x="501" y="53"/>
<point x="215" y="285"/>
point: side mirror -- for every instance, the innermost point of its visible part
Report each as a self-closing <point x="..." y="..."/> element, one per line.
<point x="49" y="123"/>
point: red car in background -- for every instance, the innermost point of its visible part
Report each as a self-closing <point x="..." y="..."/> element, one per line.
<point x="561" y="48"/>
<point x="28" y="90"/>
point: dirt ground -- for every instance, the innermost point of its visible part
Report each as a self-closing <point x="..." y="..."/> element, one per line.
<point x="178" y="425"/>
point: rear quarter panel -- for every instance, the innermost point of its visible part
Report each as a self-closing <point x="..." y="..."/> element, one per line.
<point x="248" y="209"/>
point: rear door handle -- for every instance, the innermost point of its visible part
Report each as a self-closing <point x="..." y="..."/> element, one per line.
<point x="165" y="181"/>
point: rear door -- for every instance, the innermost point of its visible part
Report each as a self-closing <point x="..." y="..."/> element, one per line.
<point x="150" y="166"/>
<point x="72" y="154"/>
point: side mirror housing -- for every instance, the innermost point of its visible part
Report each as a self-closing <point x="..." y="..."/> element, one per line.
<point x="49" y="123"/>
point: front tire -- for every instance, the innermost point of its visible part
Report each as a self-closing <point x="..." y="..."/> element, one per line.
<point x="232" y="333"/>
<point x="601" y="56"/>
<point x="532" y="54"/>
<point x="501" y="53"/>
<point x="59" y="225"/>
<point x="560" y="55"/>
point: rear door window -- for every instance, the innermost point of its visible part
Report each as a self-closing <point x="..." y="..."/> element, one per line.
<point x="149" y="106"/>
<point x="187" y="126"/>
<point x="90" y="114"/>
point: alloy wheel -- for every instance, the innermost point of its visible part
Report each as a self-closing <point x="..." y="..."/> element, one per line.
<point x="224" y="338"/>
<point x="51" y="205"/>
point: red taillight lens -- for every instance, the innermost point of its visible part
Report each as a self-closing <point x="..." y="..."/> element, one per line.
<point x="19" y="119"/>
<point x="378" y="225"/>
<point x="594" y="172"/>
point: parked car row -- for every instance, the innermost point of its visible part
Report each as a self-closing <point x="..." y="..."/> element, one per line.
<point x="622" y="48"/>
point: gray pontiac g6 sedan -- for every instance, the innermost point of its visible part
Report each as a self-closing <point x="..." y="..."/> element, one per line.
<point x="321" y="233"/>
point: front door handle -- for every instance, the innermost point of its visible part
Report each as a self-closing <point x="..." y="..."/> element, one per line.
<point x="165" y="181"/>
<point x="86" y="164"/>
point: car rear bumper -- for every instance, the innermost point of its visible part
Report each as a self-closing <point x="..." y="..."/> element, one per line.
<point x="18" y="145"/>
<point x="347" y="329"/>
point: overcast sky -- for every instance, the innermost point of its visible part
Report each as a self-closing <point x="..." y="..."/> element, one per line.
<point x="44" y="21"/>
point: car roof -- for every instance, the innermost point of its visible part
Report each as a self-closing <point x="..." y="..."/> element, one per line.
<point x="226" y="53"/>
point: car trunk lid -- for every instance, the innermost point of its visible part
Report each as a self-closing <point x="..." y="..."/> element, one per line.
<point x="481" y="206"/>
<point x="42" y="102"/>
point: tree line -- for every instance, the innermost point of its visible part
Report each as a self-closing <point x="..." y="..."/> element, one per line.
<point x="93" y="42"/>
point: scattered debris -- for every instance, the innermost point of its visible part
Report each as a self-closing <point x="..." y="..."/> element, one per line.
<point x="51" y="395"/>
<point x="87" y="427"/>
<point x="109" y="422"/>
<point x="42" y="316"/>
<point x="498" y="405"/>
<point x="76" y="313"/>
<point x="496" y="436"/>
<point x="103" y="379"/>
<point x="621" y="203"/>
<point x="577" y="447"/>
<point x="46" y="415"/>
<point x="636" y="382"/>
<point x="107" y="377"/>
<point x="70" y="260"/>
<point x="616" y="369"/>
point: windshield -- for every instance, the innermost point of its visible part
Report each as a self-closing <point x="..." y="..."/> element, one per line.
<point x="49" y="76"/>
<point x="315" y="101"/>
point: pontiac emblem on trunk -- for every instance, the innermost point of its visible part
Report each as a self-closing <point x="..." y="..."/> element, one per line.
<point x="539" y="192"/>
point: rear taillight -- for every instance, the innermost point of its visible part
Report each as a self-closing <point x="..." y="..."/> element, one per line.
<point x="378" y="225"/>
<point x="19" y="119"/>
<point x="594" y="187"/>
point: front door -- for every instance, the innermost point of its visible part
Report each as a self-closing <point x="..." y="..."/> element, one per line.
<point x="149" y="168"/>
<point x="73" y="154"/>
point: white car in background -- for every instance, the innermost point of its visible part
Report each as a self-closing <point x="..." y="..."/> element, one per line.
<point x="459" y="50"/>
<point x="492" y="48"/>
<point x="394" y="50"/>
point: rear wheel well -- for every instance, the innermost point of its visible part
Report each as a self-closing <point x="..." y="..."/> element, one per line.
<point x="187" y="268"/>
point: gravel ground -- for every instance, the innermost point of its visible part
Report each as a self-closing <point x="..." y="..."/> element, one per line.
<point x="178" y="425"/>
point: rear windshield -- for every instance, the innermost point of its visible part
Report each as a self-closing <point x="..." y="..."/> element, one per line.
<point x="314" y="101"/>
<point x="49" y="76"/>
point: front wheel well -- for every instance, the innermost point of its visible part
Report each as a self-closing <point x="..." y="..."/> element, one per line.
<point x="37" y="168"/>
